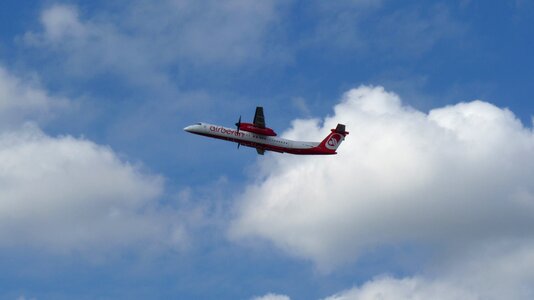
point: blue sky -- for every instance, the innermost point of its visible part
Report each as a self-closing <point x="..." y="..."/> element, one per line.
<point x="105" y="197"/>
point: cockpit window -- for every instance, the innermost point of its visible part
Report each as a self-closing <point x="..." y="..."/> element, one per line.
<point x="198" y="124"/>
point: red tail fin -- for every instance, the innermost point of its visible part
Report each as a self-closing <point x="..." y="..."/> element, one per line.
<point x="333" y="140"/>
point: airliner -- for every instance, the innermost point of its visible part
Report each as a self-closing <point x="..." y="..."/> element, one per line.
<point x="257" y="135"/>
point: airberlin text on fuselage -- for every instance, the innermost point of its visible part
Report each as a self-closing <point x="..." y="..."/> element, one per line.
<point x="226" y="131"/>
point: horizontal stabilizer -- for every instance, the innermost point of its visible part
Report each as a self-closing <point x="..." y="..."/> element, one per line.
<point x="341" y="129"/>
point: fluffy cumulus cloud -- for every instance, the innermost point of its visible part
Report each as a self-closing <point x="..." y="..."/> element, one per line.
<point x="70" y="194"/>
<point x="454" y="179"/>
<point x="66" y="194"/>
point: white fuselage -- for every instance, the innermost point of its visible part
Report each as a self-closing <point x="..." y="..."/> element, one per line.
<point x="250" y="139"/>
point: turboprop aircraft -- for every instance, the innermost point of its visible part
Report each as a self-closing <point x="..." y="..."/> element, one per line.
<point x="256" y="135"/>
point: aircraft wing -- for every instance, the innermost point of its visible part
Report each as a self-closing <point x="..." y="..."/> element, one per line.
<point x="260" y="151"/>
<point x="259" y="119"/>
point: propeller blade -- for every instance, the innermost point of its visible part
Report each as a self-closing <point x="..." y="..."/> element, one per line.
<point x="238" y="124"/>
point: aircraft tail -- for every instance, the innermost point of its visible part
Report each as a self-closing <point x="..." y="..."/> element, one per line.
<point x="333" y="140"/>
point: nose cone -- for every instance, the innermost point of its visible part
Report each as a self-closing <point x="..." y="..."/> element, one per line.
<point x="189" y="128"/>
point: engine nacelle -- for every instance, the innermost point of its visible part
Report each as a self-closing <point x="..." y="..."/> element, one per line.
<point x="251" y="128"/>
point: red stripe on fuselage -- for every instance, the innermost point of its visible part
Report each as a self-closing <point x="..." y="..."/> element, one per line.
<point x="302" y="151"/>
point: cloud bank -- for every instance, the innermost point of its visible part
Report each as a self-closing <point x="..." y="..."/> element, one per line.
<point x="65" y="194"/>
<point x="272" y="297"/>
<point x="456" y="180"/>
<point x="71" y="194"/>
<point x="148" y="39"/>
<point x="404" y="289"/>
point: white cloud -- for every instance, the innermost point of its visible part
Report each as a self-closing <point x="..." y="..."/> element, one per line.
<point x="65" y="194"/>
<point x="88" y="47"/>
<point x="62" y="22"/>
<point x="272" y="297"/>
<point x="485" y="274"/>
<point x="500" y="270"/>
<point x="405" y="289"/>
<point x="456" y="180"/>
<point x="23" y="100"/>
<point x="456" y="174"/>
<point x="143" y="41"/>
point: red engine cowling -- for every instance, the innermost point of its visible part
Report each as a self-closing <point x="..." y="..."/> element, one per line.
<point x="251" y="128"/>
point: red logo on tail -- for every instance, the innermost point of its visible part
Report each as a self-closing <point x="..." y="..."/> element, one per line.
<point x="333" y="142"/>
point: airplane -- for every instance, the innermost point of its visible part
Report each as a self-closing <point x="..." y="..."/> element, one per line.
<point x="257" y="135"/>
